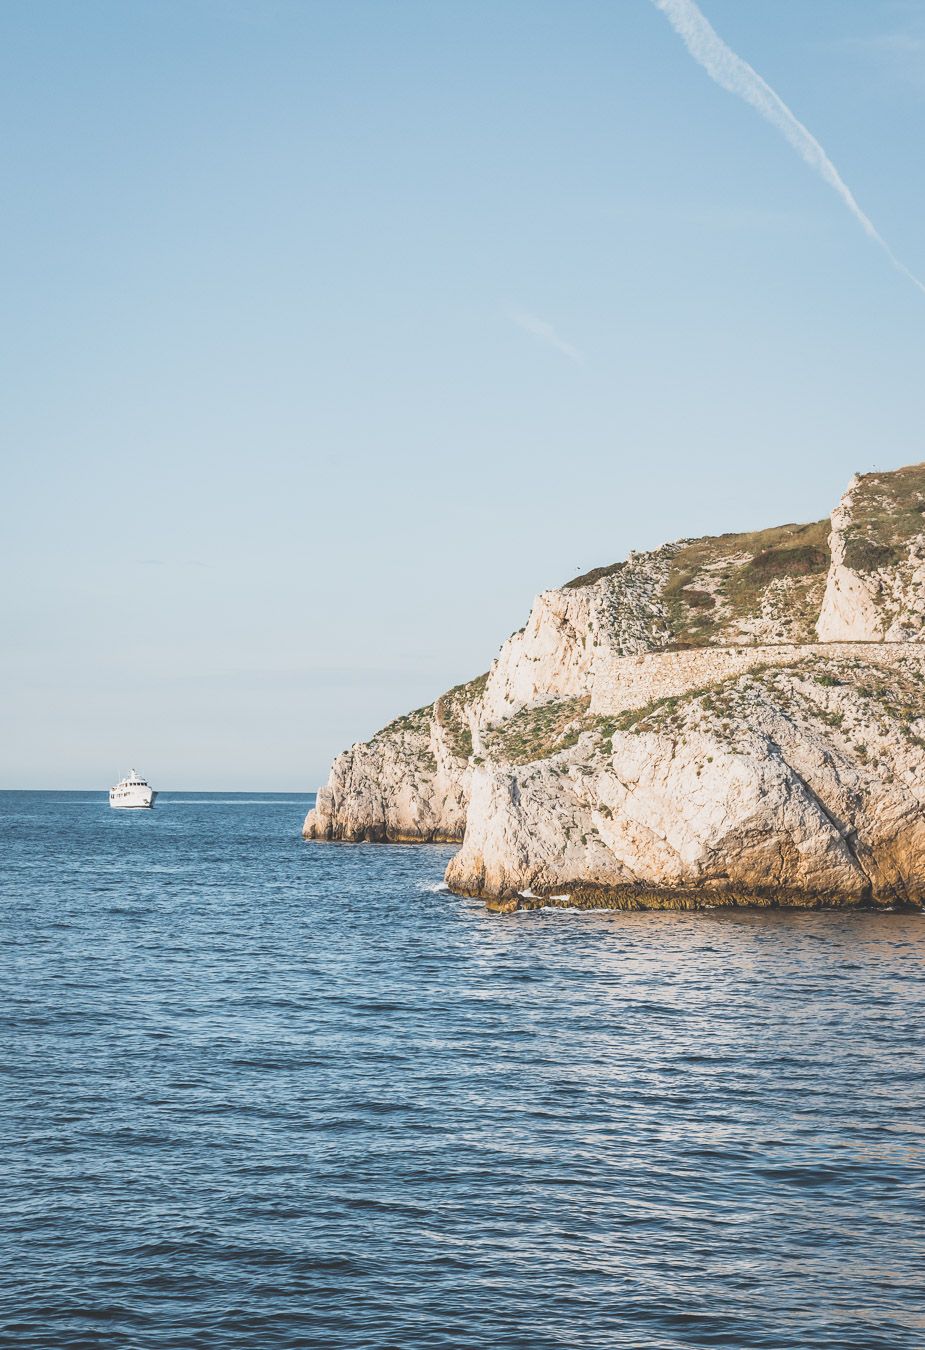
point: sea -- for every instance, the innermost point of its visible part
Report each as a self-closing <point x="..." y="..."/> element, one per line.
<point x="261" y="1093"/>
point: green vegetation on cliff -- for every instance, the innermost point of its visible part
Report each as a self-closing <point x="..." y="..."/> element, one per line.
<point x="887" y="511"/>
<point x="718" y="586"/>
<point x="537" y="731"/>
<point x="451" y="714"/>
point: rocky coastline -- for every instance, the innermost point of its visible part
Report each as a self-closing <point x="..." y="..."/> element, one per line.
<point x="736" y="720"/>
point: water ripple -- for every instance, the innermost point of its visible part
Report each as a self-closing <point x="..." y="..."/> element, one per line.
<point x="263" y="1094"/>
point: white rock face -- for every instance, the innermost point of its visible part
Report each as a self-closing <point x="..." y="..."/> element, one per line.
<point x="849" y="608"/>
<point x="875" y="589"/>
<point x="657" y="817"/>
<point x="665" y="732"/>
<point x="379" y="793"/>
<point x="409" y="784"/>
<point x="573" y="634"/>
<point x="746" y="793"/>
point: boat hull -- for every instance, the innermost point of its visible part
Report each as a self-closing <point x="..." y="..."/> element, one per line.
<point x="132" y="800"/>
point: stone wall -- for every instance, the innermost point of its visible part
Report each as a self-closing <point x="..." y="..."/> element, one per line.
<point x="634" y="681"/>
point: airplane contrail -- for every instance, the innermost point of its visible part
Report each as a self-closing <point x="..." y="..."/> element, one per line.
<point x="545" y="332"/>
<point x="735" y="75"/>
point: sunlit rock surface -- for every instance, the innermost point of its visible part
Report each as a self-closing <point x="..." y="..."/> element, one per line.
<point x="731" y="720"/>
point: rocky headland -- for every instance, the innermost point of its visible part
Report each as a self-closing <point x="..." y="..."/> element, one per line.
<point x="736" y="720"/>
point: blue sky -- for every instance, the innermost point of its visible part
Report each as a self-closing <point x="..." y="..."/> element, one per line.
<point x="336" y="331"/>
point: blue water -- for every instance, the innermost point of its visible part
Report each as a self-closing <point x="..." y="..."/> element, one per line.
<point x="262" y="1093"/>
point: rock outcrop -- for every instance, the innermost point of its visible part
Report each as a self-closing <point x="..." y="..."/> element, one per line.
<point x="875" y="590"/>
<point x="732" y="720"/>
<point x="410" y="783"/>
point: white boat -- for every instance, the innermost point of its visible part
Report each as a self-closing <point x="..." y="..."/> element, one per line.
<point x="132" y="791"/>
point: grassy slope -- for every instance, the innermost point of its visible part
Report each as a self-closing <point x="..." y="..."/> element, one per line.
<point x="718" y="584"/>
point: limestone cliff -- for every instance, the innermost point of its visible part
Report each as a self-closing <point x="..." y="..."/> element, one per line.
<point x="697" y="725"/>
<point x="410" y="783"/>
<point x="875" y="589"/>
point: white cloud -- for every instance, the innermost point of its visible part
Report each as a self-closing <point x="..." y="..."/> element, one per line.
<point x="544" y="332"/>
<point x="735" y="75"/>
